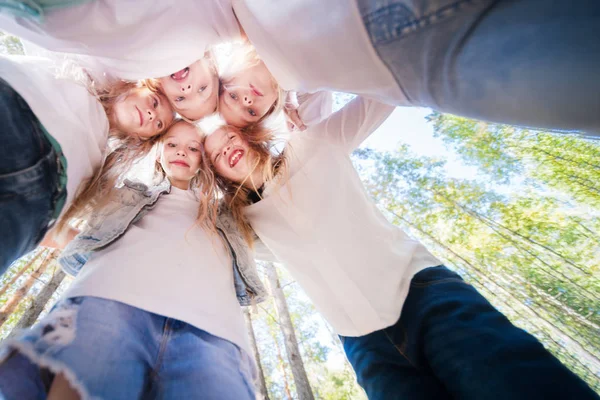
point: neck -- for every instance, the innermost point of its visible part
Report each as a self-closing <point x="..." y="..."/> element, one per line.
<point x="255" y="181"/>
<point x="183" y="185"/>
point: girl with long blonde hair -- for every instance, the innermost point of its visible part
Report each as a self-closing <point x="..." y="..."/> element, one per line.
<point x="161" y="274"/>
<point x="60" y="136"/>
<point x="411" y="328"/>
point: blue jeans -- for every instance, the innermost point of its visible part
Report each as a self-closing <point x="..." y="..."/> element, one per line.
<point x="522" y="62"/>
<point x="451" y="343"/>
<point x="110" y="350"/>
<point x="30" y="185"/>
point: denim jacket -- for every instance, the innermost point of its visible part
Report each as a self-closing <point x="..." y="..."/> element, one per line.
<point x="131" y="203"/>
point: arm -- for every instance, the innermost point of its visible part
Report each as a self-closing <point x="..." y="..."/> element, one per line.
<point x="307" y="109"/>
<point x="351" y="125"/>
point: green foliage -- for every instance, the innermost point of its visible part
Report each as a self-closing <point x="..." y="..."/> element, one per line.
<point x="533" y="255"/>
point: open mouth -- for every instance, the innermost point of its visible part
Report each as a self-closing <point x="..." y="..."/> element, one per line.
<point x="235" y="156"/>
<point x="140" y="115"/>
<point x="255" y="90"/>
<point x="180" y="163"/>
<point x="181" y="75"/>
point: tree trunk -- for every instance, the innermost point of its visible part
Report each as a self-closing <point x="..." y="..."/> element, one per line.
<point x="20" y="273"/>
<point x="12" y="303"/>
<point x="37" y="306"/>
<point x="262" y="386"/>
<point x="291" y="343"/>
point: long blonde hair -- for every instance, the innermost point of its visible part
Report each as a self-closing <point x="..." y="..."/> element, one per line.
<point x="123" y="150"/>
<point x="244" y="56"/>
<point x="204" y="183"/>
<point x="237" y="196"/>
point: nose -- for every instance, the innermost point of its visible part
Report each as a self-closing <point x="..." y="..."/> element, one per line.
<point x="185" y="89"/>
<point x="248" y="100"/>
<point x="181" y="153"/>
<point x="226" y="149"/>
<point x="151" y="114"/>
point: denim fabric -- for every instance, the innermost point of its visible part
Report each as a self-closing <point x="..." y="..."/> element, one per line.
<point x="451" y="343"/>
<point x="522" y="62"/>
<point x="130" y="204"/>
<point x="110" y="350"/>
<point x="30" y="178"/>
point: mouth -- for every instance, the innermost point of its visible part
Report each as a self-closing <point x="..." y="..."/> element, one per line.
<point x="140" y="115"/>
<point x="181" y="75"/>
<point x="180" y="163"/>
<point x="235" y="157"/>
<point x="256" y="91"/>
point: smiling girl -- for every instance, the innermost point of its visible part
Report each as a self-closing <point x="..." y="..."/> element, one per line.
<point x="56" y="124"/>
<point x="156" y="305"/>
<point x="411" y="328"/>
<point x="193" y="91"/>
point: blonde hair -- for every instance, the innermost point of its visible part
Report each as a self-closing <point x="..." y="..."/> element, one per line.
<point x="123" y="149"/>
<point x="237" y="196"/>
<point x="203" y="182"/>
<point x="244" y="56"/>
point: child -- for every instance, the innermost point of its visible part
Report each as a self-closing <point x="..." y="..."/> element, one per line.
<point x="411" y="328"/>
<point x="193" y="91"/>
<point x="518" y="62"/>
<point x="153" y="314"/>
<point x="55" y="131"/>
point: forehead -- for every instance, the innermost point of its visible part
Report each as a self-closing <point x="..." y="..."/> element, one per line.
<point x="184" y="131"/>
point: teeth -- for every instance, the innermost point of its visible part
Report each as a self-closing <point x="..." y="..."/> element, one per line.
<point x="234" y="158"/>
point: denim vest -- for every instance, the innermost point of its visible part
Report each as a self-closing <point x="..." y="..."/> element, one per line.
<point x="130" y="204"/>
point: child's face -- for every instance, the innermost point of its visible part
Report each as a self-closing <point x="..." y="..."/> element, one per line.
<point x="248" y="96"/>
<point x="143" y="113"/>
<point x="194" y="91"/>
<point x="181" y="154"/>
<point x="230" y="156"/>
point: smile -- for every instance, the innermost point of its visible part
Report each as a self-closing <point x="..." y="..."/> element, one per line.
<point x="235" y="157"/>
<point x="140" y="115"/>
<point x="181" y="75"/>
<point x="180" y="163"/>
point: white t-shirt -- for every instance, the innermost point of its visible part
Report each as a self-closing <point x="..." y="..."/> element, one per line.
<point x="313" y="45"/>
<point x="166" y="265"/>
<point x="323" y="226"/>
<point x="66" y="110"/>
<point x="131" y="39"/>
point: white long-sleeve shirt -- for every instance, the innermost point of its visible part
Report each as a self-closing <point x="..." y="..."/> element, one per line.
<point x="314" y="45"/>
<point x="68" y="112"/>
<point x="321" y="223"/>
<point x="131" y="39"/>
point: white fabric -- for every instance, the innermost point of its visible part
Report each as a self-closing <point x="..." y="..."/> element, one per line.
<point x="166" y="265"/>
<point x="131" y="39"/>
<point x="314" y="107"/>
<point x="66" y="110"/>
<point x="313" y="45"/>
<point x="321" y="224"/>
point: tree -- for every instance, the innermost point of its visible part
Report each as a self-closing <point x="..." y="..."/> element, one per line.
<point x="262" y="386"/>
<point x="13" y="302"/>
<point x="534" y="258"/>
<point x="291" y="343"/>
<point x="32" y="313"/>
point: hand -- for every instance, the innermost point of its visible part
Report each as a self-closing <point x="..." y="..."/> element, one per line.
<point x="293" y="119"/>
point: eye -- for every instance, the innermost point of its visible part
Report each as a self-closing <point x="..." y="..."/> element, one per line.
<point x="170" y="144"/>
<point x="202" y="89"/>
<point x="180" y="98"/>
<point x="160" y="125"/>
<point x="233" y="95"/>
<point x="251" y="112"/>
<point x="193" y="149"/>
<point x="155" y="102"/>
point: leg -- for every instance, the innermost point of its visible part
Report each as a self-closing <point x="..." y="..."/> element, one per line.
<point x="474" y="350"/>
<point x="195" y="362"/>
<point x="523" y="62"/>
<point x="384" y="365"/>
<point x="29" y="178"/>
<point x="103" y="348"/>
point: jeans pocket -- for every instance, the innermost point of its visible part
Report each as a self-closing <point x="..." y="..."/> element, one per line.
<point x="387" y="21"/>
